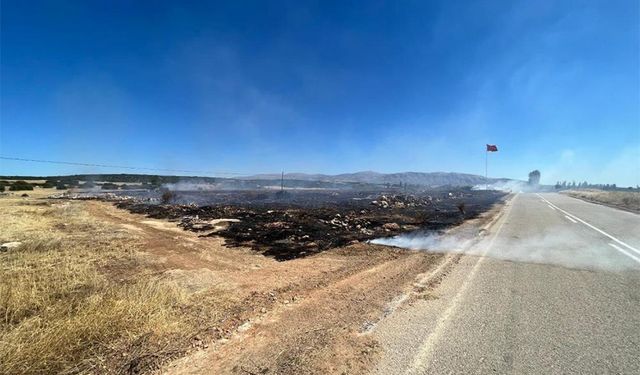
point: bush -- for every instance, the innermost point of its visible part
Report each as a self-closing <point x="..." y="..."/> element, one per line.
<point x="61" y="186"/>
<point x="167" y="196"/>
<point x="109" y="186"/>
<point x="88" y="185"/>
<point x="21" y="185"/>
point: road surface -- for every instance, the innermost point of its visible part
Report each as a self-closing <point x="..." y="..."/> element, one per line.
<point x="558" y="292"/>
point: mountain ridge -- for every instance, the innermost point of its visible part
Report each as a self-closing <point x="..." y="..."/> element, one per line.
<point x="372" y="177"/>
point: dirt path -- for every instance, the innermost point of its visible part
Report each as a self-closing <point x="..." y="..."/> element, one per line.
<point x="319" y="325"/>
<point x="309" y="315"/>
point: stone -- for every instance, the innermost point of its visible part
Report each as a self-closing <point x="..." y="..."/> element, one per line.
<point x="10" y="246"/>
<point x="391" y="226"/>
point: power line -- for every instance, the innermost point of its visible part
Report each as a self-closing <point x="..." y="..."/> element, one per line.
<point x="119" y="166"/>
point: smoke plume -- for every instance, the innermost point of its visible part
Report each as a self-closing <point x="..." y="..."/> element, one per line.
<point x="563" y="248"/>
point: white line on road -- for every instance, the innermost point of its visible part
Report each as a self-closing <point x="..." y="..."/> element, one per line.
<point x="625" y="252"/>
<point x="592" y="227"/>
<point x="551" y="207"/>
<point x="421" y="360"/>
<point x="570" y="218"/>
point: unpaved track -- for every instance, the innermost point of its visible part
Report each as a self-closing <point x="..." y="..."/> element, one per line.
<point x="327" y="328"/>
<point x="307" y="315"/>
<point x="510" y="313"/>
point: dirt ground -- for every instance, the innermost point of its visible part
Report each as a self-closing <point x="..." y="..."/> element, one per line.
<point x="302" y="316"/>
<point x="247" y="313"/>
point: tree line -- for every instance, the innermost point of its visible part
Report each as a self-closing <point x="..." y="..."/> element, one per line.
<point x="585" y="185"/>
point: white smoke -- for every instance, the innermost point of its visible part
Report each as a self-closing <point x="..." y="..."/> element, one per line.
<point x="191" y="186"/>
<point x="510" y="186"/>
<point x="563" y="248"/>
<point x="428" y="241"/>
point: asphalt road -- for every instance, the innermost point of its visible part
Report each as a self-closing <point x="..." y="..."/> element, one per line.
<point x="556" y="292"/>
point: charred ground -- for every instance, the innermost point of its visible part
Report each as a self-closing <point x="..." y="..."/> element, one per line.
<point x="293" y="224"/>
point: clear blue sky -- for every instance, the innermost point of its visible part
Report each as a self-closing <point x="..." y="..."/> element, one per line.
<point x="324" y="86"/>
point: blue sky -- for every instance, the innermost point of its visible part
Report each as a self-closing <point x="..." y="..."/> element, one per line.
<point x="324" y="87"/>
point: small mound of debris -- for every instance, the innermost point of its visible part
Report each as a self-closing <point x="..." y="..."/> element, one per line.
<point x="195" y="224"/>
<point x="402" y="201"/>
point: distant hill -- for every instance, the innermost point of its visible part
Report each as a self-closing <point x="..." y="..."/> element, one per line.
<point x="369" y="177"/>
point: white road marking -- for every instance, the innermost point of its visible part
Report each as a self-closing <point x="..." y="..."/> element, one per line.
<point x="625" y="252"/>
<point x="594" y="228"/>
<point x="551" y="207"/>
<point x="570" y="218"/>
<point x="426" y="349"/>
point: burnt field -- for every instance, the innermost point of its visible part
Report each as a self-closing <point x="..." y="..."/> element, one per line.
<point x="293" y="224"/>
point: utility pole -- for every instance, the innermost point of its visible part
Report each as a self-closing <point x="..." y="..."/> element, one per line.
<point x="282" y="182"/>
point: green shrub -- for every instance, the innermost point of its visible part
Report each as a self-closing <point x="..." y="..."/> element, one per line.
<point x="21" y="185"/>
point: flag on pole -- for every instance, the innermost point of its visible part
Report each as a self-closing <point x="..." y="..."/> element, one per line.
<point x="492" y="148"/>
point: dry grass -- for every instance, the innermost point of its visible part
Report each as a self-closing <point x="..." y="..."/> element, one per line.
<point x="628" y="200"/>
<point x="61" y="314"/>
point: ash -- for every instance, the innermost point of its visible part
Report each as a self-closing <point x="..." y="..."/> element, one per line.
<point x="293" y="224"/>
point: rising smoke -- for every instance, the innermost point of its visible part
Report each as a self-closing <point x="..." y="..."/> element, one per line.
<point x="509" y="186"/>
<point x="557" y="248"/>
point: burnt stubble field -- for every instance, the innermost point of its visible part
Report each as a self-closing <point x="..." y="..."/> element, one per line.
<point x="293" y="224"/>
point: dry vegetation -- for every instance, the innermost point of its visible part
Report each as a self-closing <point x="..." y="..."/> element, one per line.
<point x="628" y="200"/>
<point x="95" y="289"/>
<point x="61" y="314"/>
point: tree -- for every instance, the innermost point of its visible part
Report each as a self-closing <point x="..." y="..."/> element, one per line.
<point x="21" y="185"/>
<point x="534" y="177"/>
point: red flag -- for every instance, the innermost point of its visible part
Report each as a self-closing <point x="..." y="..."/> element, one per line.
<point x="492" y="148"/>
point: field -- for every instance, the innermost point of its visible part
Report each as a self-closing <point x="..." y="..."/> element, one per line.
<point x="626" y="200"/>
<point x="97" y="289"/>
